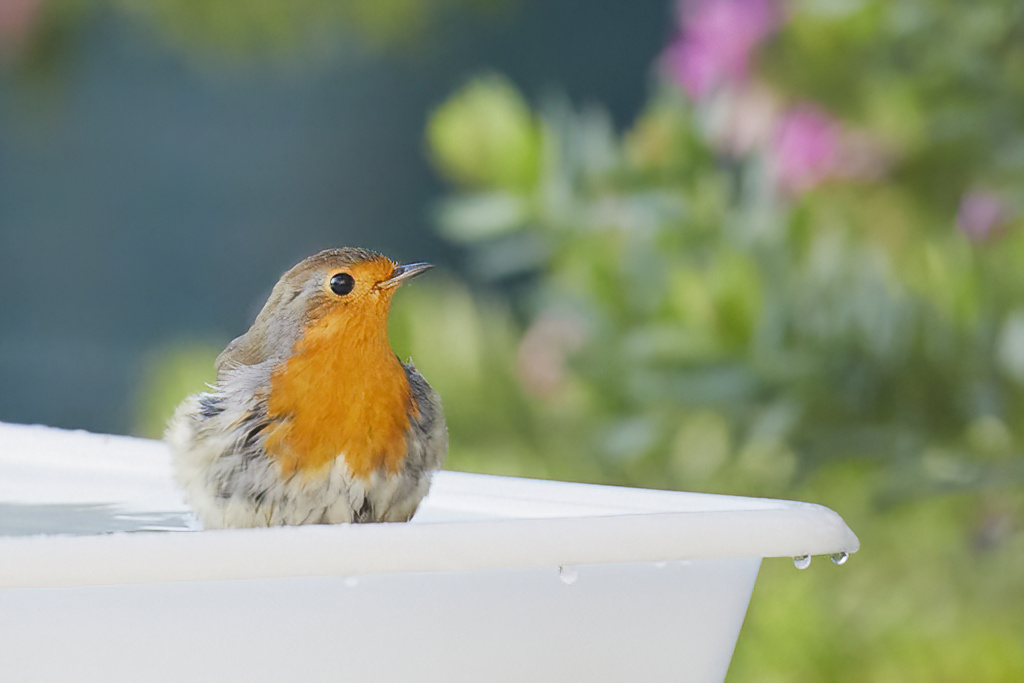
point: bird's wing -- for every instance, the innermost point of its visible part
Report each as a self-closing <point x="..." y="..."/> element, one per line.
<point x="427" y="438"/>
<point x="272" y="334"/>
<point x="244" y="350"/>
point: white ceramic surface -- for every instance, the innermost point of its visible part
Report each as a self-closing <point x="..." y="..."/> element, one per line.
<point x="103" y="578"/>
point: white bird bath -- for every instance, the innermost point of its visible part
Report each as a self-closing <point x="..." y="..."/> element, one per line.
<point x="496" y="579"/>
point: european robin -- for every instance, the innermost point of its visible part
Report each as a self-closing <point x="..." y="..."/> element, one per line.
<point x="312" y="418"/>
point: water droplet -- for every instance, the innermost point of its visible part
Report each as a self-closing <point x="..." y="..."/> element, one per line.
<point x="802" y="561"/>
<point x="660" y="565"/>
<point x="840" y="558"/>
<point x="351" y="581"/>
<point x="568" y="575"/>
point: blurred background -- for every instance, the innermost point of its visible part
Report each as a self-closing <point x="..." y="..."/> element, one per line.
<point x="741" y="246"/>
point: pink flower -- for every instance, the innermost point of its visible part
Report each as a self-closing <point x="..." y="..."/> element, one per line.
<point x="980" y="214"/>
<point x="807" y="148"/>
<point x="715" y="41"/>
<point x="17" y="20"/>
<point x="543" y="357"/>
<point x="742" y="120"/>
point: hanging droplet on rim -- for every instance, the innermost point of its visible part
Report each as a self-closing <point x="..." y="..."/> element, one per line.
<point x="568" y="575"/>
<point x="802" y="561"/>
<point x="840" y="558"/>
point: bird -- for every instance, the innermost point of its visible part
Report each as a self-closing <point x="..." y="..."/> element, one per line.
<point x="313" y="418"/>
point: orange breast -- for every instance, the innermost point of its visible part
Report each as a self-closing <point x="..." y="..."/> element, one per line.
<point x="342" y="392"/>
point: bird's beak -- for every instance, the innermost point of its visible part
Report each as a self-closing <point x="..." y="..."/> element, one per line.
<point x="402" y="273"/>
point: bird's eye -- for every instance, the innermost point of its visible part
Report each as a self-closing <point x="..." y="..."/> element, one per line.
<point x="342" y="284"/>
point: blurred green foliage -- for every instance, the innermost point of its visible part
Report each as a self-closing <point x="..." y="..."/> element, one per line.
<point x="684" y="299"/>
<point x="487" y="138"/>
<point x="244" y="31"/>
<point x="689" y="323"/>
<point x="172" y="373"/>
<point x="261" y="26"/>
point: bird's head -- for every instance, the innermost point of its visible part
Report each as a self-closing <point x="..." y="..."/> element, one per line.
<point x="350" y="284"/>
<point x="341" y="293"/>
